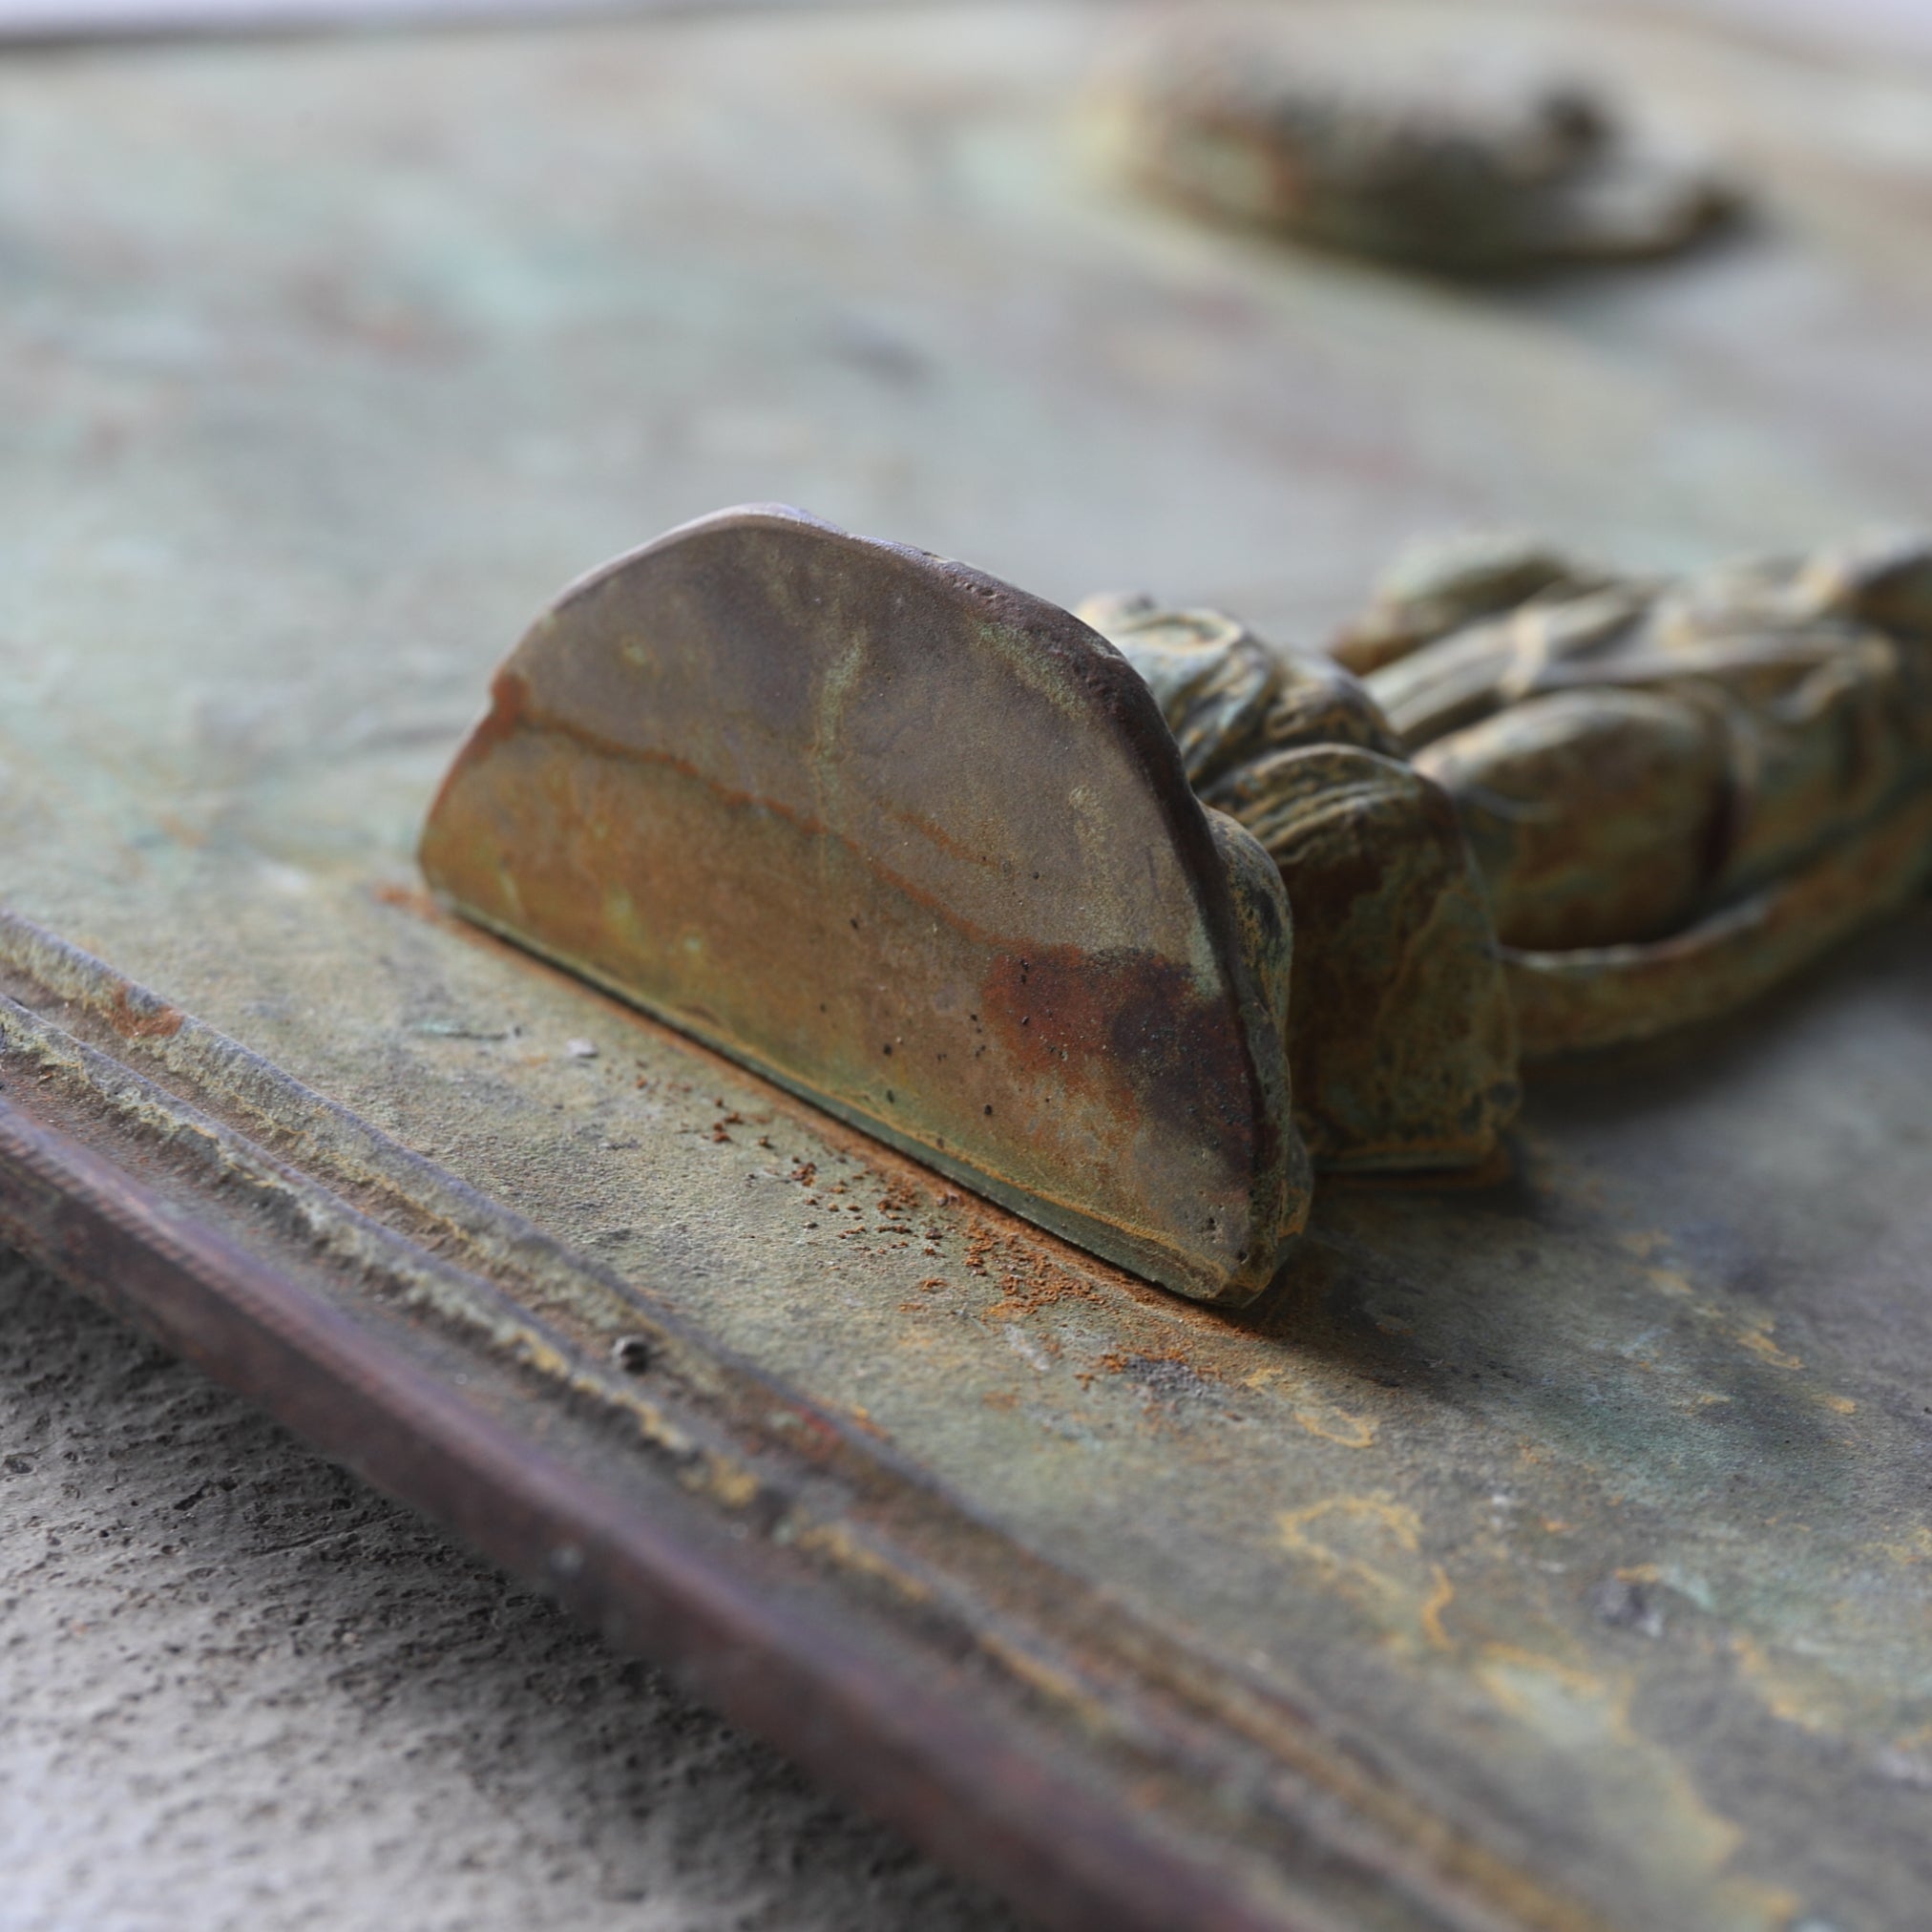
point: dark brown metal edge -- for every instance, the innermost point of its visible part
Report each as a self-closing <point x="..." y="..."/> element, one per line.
<point x="930" y="1768"/>
<point x="1107" y="1819"/>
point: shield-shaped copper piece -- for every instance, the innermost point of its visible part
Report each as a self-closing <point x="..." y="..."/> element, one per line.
<point x="918" y="847"/>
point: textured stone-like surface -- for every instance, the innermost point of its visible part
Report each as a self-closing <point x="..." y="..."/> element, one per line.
<point x="237" y="1689"/>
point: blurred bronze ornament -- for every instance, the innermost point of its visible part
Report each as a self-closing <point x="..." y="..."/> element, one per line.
<point x="1677" y="793"/>
<point x="1130" y="918"/>
<point x="1458" y="168"/>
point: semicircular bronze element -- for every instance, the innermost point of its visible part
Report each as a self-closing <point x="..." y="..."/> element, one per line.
<point x="918" y="847"/>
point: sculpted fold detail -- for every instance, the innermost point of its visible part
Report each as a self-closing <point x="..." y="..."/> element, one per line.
<point x="1401" y="1040"/>
<point x="1678" y="792"/>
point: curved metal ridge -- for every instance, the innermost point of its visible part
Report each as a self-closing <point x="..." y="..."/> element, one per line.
<point x="918" y="847"/>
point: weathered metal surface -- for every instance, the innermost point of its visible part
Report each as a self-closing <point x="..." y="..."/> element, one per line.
<point x="574" y="1428"/>
<point x="1633" y="804"/>
<point x="916" y="845"/>
<point x="1576" y="1521"/>
<point x="824" y="803"/>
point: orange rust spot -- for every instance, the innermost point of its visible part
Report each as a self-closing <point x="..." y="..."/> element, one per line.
<point x="1441" y="1594"/>
<point x="896" y="1200"/>
<point x="159" y="1021"/>
<point x="509" y="711"/>
<point x="1033" y="1281"/>
<point x="816" y="1436"/>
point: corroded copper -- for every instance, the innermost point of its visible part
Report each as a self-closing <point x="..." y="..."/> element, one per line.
<point x="919" y="846"/>
<point x="1561" y="811"/>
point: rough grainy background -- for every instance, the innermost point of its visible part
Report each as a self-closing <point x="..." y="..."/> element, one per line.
<point x="239" y="1690"/>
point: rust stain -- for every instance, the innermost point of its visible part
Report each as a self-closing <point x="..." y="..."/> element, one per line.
<point x="1758" y="1341"/>
<point x="1130" y="1023"/>
<point x="510" y="712"/>
<point x="411" y="899"/>
<point x="1334" y="1425"/>
<point x="753" y="878"/>
<point x="144" y="1019"/>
